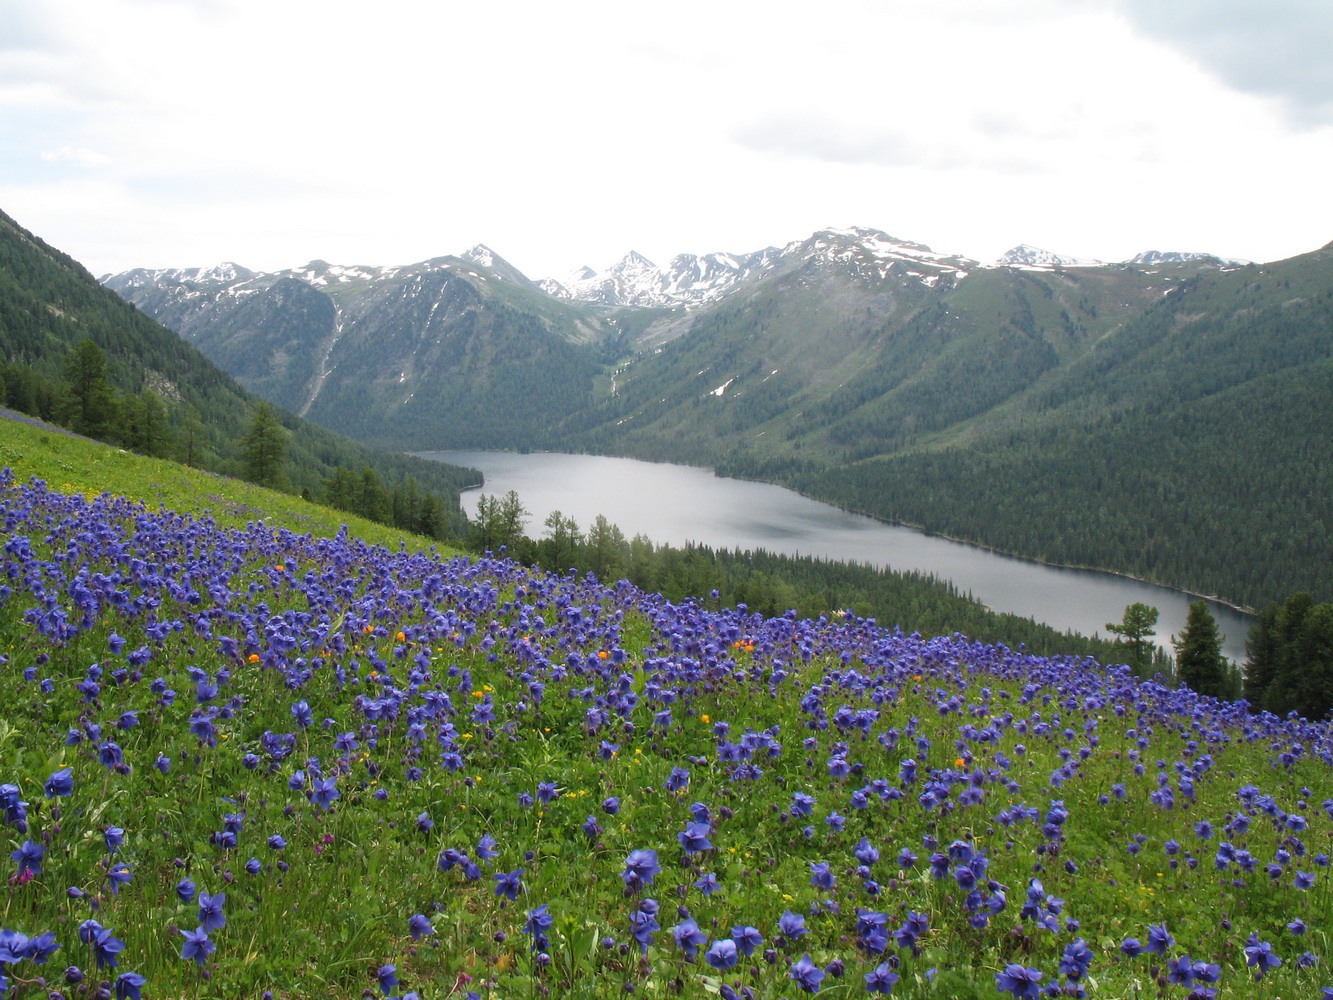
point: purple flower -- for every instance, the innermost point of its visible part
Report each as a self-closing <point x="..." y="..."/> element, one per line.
<point x="1020" y="981"/>
<point x="128" y="985"/>
<point x="210" y="911"/>
<point x="1259" y="955"/>
<point x="418" y="925"/>
<point x="723" y="954"/>
<point x="820" y="875"/>
<point x="694" y="838"/>
<point x="641" y="868"/>
<point x="388" y="977"/>
<point x="197" y="946"/>
<point x="806" y="974"/>
<point x="507" y="884"/>
<point x="60" y="783"/>
<point x="792" y="925"/>
<point x="881" y="979"/>
<point x="689" y="938"/>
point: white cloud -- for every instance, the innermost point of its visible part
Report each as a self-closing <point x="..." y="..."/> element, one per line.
<point x="173" y="133"/>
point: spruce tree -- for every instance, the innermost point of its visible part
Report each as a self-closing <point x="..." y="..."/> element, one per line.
<point x="1285" y="693"/>
<point x="1199" y="662"/>
<point x="92" y="402"/>
<point x="1137" y="626"/>
<point x="1261" y="655"/>
<point x="264" y="448"/>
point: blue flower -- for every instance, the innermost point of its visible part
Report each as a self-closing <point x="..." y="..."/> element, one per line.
<point x="1021" y="982"/>
<point x="792" y="925"/>
<point x="707" y="883"/>
<point x="29" y="857"/>
<point x="1259" y="955"/>
<point x="881" y="979"/>
<point x="747" y="939"/>
<point x="210" y="911"/>
<point x="723" y="954"/>
<point x="128" y="985"/>
<point x="689" y="938"/>
<point x="419" y="925"/>
<point x="641" y="868"/>
<point x="508" y="884"/>
<point x="806" y="974"/>
<point x="323" y="792"/>
<point x="694" y="838"/>
<point x="197" y="946"/>
<point x="387" y="976"/>
<point x="60" y="783"/>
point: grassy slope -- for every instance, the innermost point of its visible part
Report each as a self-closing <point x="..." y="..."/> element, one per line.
<point x="73" y="464"/>
<point x="989" y="732"/>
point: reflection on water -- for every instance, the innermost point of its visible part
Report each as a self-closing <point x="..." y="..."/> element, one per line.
<point x="676" y="504"/>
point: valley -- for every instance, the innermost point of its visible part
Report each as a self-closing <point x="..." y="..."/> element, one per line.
<point x="1161" y="417"/>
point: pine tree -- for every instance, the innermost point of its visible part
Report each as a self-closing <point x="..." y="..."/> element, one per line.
<point x="1199" y="662"/>
<point x="1285" y="694"/>
<point x="1261" y="655"/>
<point x="1137" y="626"/>
<point x="264" y="448"/>
<point x="92" y="401"/>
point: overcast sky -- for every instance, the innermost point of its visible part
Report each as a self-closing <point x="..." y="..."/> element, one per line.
<point x="272" y="132"/>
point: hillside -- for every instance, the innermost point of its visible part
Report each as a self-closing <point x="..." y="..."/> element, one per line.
<point x="49" y="304"/>
<point x="1161" y="417"/>
<point x="441" y="353"/>
<point x="556" y="787"/>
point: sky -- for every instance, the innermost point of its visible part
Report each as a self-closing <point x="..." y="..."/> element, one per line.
<point x="181" y="133"/>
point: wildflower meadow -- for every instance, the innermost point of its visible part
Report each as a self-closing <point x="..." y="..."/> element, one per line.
<point x="252" y="762"/>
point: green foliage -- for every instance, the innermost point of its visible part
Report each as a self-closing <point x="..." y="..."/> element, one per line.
<point x="1290" y="666"/>
<point x="1136" y="628"/>
<point x="1200" y="665"/>
<point x="264" y="449"/>
<point x="75" y="353"/>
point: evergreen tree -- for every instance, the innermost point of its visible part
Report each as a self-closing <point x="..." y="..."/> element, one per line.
<point x="1262" y="647"/>
<point x="1284" y="694"/>
<point x="1199" y="662"/>
<point x="560" y="546"/>
<point x="264" y="448"/>
<point x="1312" y="653"/>
<point x="1138" y="624"/>
<point x="372" y="501"/>
<point x="604" y="549"/>
<point x="92" y="402"/>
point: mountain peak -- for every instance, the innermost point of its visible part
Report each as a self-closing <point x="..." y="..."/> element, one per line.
<point x="632" y="261"/>
<point x="1025" y="255"/>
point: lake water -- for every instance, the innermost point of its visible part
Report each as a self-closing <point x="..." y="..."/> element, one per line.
<point x="675" y="504"/>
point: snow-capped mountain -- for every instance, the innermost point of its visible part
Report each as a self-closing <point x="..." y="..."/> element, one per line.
<point x="1023" y="256"/>
<point x="1151" y="257"/>
<point x="635" y="281"/>
<point x="692" y="280"/>
<point x="225" y="272"/>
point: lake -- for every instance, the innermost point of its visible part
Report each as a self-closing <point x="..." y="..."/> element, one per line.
<point x="675" y="504"/>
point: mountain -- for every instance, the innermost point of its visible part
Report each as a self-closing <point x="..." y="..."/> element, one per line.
<point x="1026" y="256"/>
<point x="448" y="351"/>
<point x="49" y="303"/>
<point x="860" y="368"/>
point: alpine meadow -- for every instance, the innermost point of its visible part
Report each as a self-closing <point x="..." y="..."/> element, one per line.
<point x="278" y="721"/>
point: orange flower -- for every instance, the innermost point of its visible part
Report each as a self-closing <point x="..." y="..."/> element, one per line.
<point x="252" y="658"/>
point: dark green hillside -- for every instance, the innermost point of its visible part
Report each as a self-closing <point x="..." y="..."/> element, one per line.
<point x="1191" y="448"/>
<point x="49" y="304"/>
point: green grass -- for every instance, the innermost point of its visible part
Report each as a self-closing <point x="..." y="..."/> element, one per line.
<point x="350" y="628"/>
<point x="73" y="464"/>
